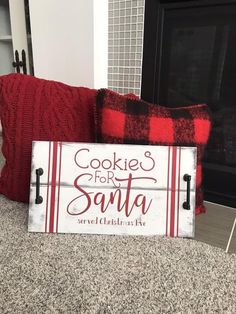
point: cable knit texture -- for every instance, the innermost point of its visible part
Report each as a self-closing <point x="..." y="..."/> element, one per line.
<point x="121" y="120"/>
<point x="37" y="109"/>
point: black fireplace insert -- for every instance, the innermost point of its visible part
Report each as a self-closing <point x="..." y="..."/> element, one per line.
<point x="189" y="58"/>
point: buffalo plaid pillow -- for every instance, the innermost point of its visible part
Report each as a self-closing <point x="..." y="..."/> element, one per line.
<point x="127" y="120"/>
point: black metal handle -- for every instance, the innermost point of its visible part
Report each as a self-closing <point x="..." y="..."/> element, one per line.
<point x="38" y="199"/>
<point x="23" y="55"/>
<point x="186" y="205"/>
<point x="18" y="64"/>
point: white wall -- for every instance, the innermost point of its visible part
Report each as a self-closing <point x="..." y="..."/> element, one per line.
<point x="100" y="43"/>
<point x="64" y="40"/>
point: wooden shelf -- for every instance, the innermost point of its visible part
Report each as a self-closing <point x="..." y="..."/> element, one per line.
<point x="6" y="38"/>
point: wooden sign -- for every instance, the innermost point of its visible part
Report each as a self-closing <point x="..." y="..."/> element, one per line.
<point x="112" y="189"/>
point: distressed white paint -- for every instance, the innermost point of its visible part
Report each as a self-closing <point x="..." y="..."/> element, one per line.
<point x="81" y="170"/>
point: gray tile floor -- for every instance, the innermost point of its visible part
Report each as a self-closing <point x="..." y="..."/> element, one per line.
<point x="214" y="227"/>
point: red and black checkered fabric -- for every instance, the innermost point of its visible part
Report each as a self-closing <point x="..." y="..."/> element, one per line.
<point x="124" y="120"/>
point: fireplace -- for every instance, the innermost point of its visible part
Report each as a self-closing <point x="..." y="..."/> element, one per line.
<point x="189" y="57"/>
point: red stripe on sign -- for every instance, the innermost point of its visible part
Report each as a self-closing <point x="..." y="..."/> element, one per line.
<point x="53" y="186"/>
<point x="59" y="185"/>
<point x="173" y="192"/>
<point x="167" y="190"/>
<point x="178" y="191"/>
<point x="49" y="164"/>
